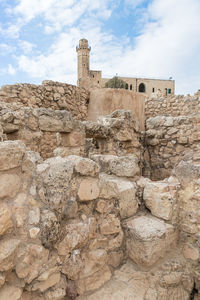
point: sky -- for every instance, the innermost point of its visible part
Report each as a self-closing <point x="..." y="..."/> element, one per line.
<point x="132" y="38"/>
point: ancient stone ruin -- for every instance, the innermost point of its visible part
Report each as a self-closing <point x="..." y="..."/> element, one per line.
<point x="98" y="210"/>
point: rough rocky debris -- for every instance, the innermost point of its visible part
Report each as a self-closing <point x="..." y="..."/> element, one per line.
<point x="77" y="219"/>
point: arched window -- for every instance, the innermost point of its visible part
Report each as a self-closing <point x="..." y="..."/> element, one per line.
<point x="131" y="87"/>
<point x="142" y="88"/>
<point x="126" y="87"/>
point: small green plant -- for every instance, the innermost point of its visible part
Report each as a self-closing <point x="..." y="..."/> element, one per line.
<point x="115" y="83"/>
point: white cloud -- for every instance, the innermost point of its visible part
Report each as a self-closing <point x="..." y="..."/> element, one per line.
<point x="60" y="13"/>
<point x="27" y="47"/>
<point x="6" y="49"/>
<point x="11" y="70"/>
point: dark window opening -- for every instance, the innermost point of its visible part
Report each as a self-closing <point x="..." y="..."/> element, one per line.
<point x="93" y="76"/>
<point x="126" y="86"/>
<point x="166" y="92"/>
<point x="131" y="87"/>
<point x="98" y="81"/>
<point x="142" y="88"/>
<point x="153" y="90"/>
<point x="169" y="91"/>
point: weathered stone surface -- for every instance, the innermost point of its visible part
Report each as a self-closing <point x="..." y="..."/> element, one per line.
<point x="151" y="237"/>
<point x="50" y="227"/>
<point x="93" y="282"/>
<point x="125" y="166"/>
<point x="11" y="154"/>
<point x="55" y="175"/>
<point x="5" y="218"/>
<point x="30" y="261"/>
<point x="77" y="235"/>
<point x="20" y="209"/>
<point x="34" y="216"/>
<point x="9" y="185"/>
<point x="110" y="225"/>
<point x="73" y="265"/>
<point x="60" y="121"/>
<point x="88" y="189"/>
<point x="126" y="284"/>
<point x="161" y="197"/>
<point x="10" y="292"/>
<point x="191" y="252"/>
<point x="123" y="190"/>
<point x="34" y="232"/>
<point x="58" y="291"/>
<point x="42" y="286"/>
<point x="7" y="250"/>
<point x="2" y="279"/>
<point x="93" y="261"/>
<point x="84" y="166"/>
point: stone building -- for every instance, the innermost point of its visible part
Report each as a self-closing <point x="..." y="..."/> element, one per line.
<point x="91" y="78"/>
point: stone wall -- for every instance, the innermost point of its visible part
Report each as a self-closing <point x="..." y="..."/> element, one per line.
<point x="172" y="106"/>
<point x="50" y="94"/>
<point x="70" y="224"/>
<point x="168" y="139"/>
<point x="45" y="131"/>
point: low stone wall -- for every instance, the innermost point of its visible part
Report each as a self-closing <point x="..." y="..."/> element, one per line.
<point x="168" y="139"/>
<point x="46" y="130"/>
<point x="50" y="94"/>
<point x="172" y="106"/>
<point x="60" y="222"/>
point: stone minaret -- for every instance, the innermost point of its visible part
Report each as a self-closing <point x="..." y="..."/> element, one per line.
<point x="83" y="53"/>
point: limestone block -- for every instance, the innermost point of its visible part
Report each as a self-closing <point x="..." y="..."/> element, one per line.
<point x="94" y="260"/>
<point x="5" y="218"/>
<point x="104" y="206"/>
<point x="55" y="124"/>
<point x="191" y="252"/>
<point x="71" y="208"/>
<point x="2" y="279"/>
<point x="160" y="198"/>
<point x="116" y="242"/>
<point x="55" y="181"/>
<point x="58" y="291"/>
<point x="10" y="292"/>
<point x="110" y="225"/>
<point x="73" y="265"/>
<point x="148" y="239"/>
<point x="124" y="135"/>
<point x="77" y="235"/>
<point x="7" y="250"/>
<point x="84" y="166"/>
<point x="20" y="210"/>
<point x="34" y="232"/>
<point x="73" y="139"/>
<point x="34" y="216"/>
<point x="125" y="166"/>
<point x="128" y="204"/>
<point x="30" y="261"/>
<point x="11" y="154"/>
<point x="93" y="282"/>
<point x="9" y="185"/>
<point x="49" y="227"/>
<point x="42" y="286"/>
<point x="115" y="258"/>
<point x="121" y="189"/>
<point x="88" y="189"/>
<point x="66" y="151"/>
